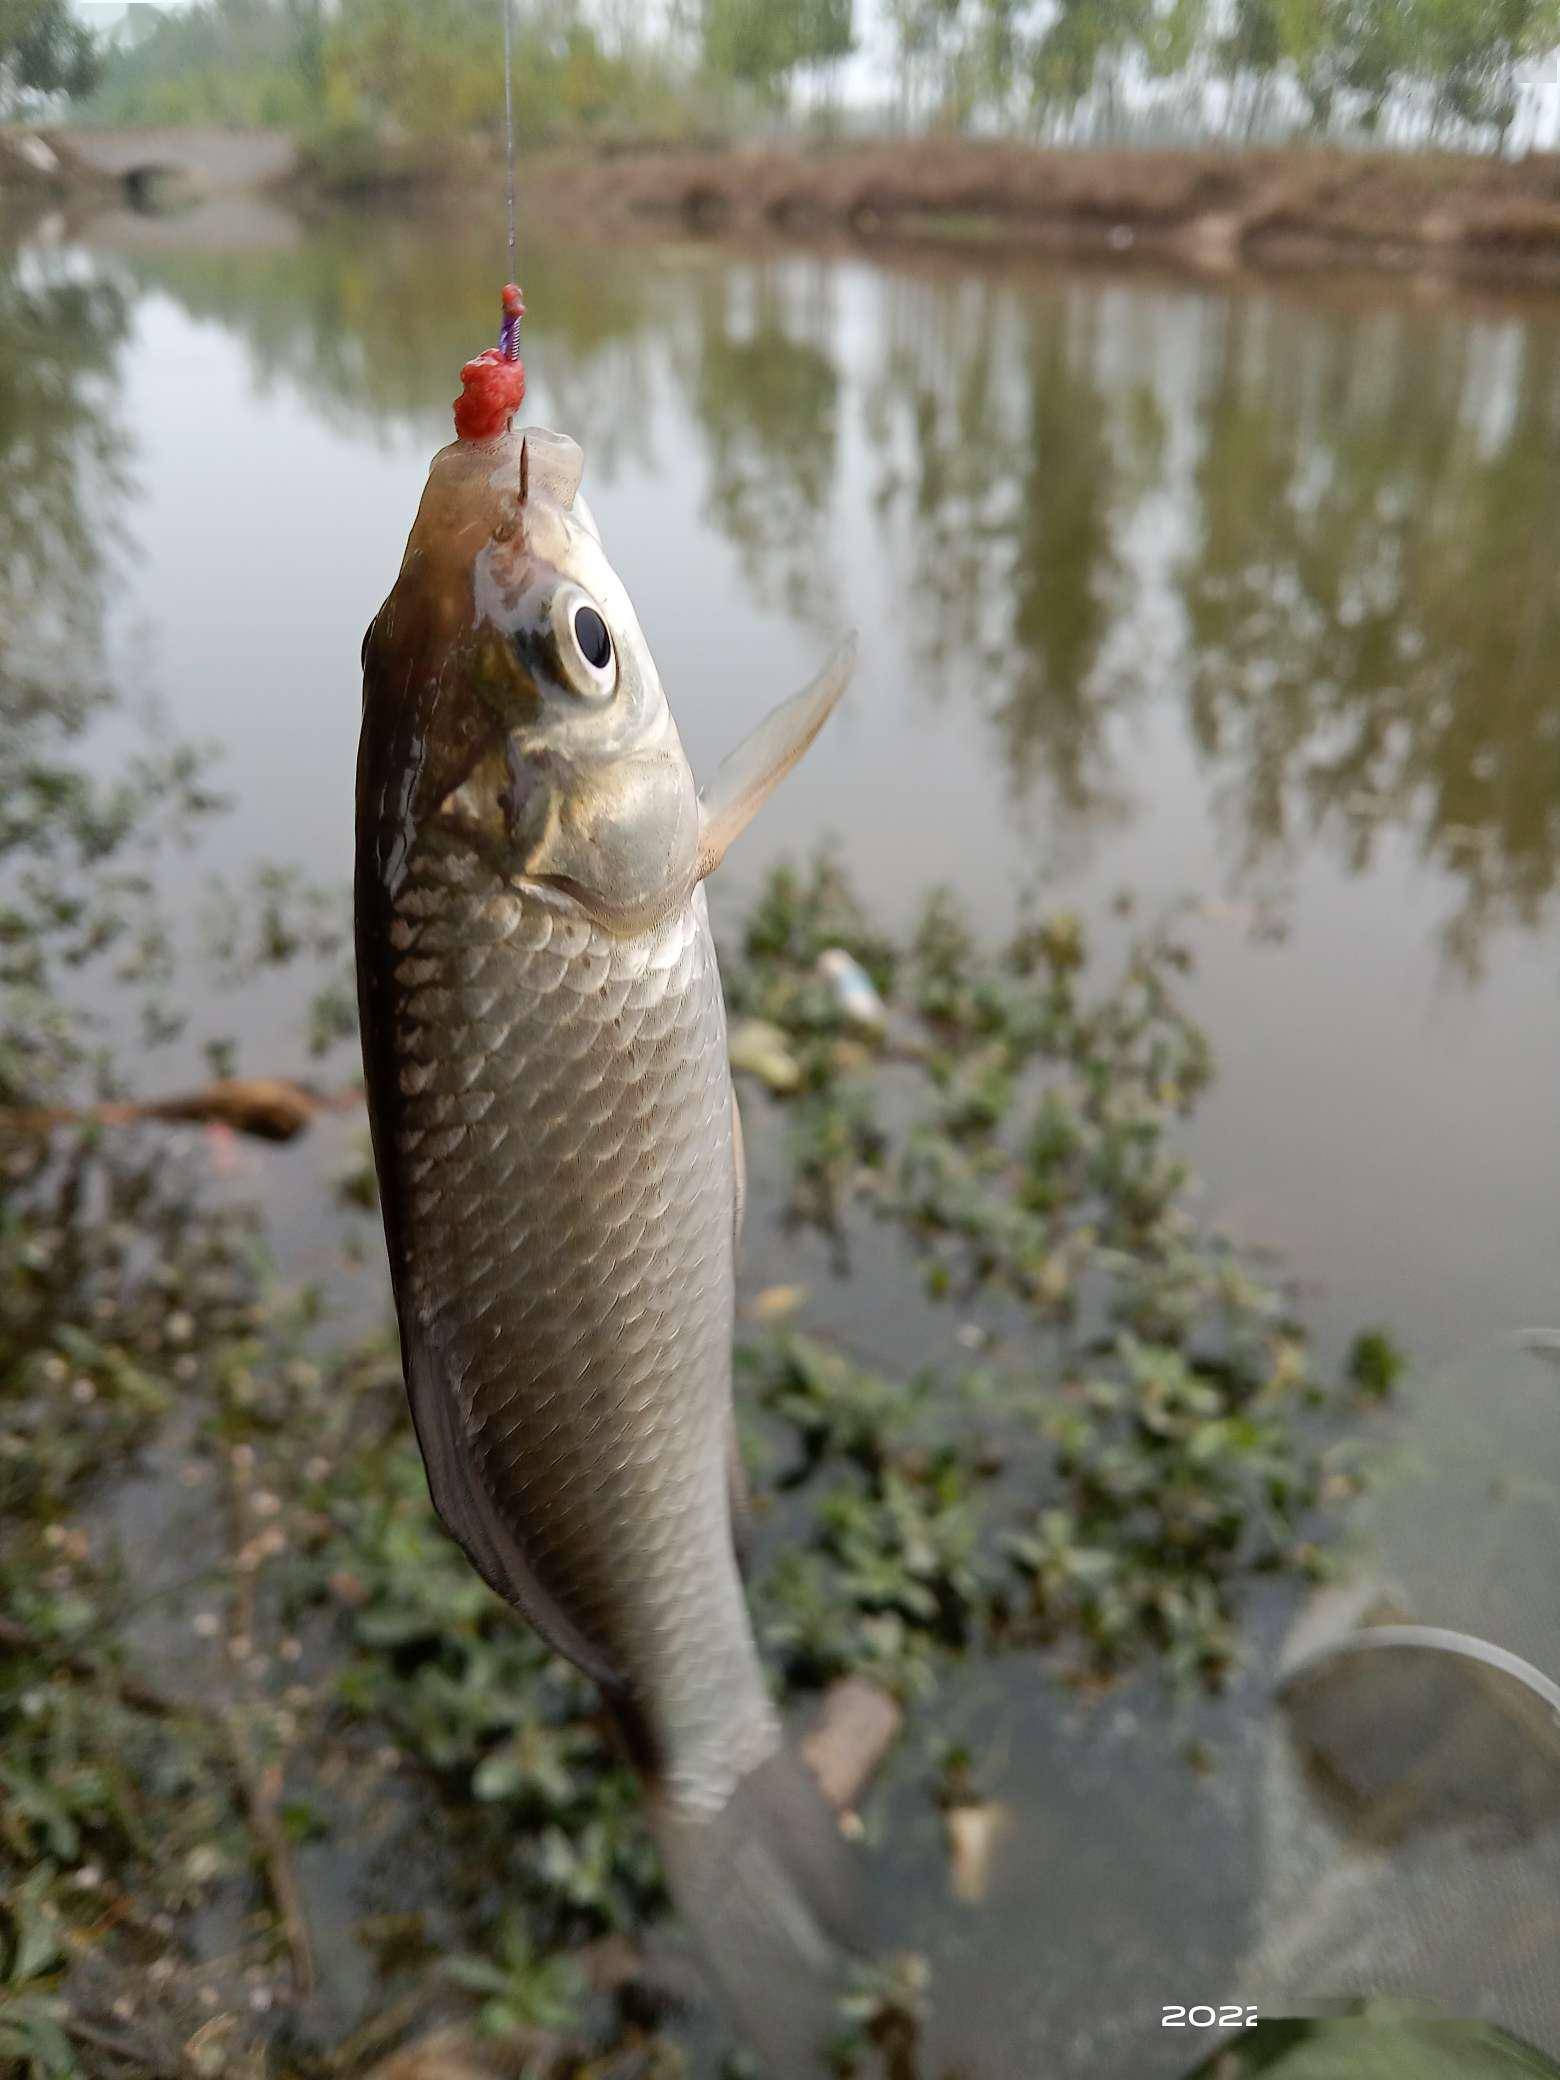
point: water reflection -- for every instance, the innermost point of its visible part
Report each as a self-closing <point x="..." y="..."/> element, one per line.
<point x="1007" y="481"/>
<point x="64" y="894"/>
<point x="1372" y="598"/>
<point x="369" y="322"/>
<point x="62" y="458"/>
<point x="1323" y="533"/>
<point x="764" y="390"/>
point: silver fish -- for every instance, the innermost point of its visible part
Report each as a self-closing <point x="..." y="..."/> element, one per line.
<point x="560" y="1164"/>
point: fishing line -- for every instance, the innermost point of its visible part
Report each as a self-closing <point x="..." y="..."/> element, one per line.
<point x="509" y="121"/>
<point x="493" y="385"/>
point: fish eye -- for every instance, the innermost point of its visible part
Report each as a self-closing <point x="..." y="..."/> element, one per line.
<point x="584" y="643"/>
<point x="590" y="632"/>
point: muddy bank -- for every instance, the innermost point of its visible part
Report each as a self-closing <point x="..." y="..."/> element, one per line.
<point x="34" y="163"/>
<point x="1214" y="210"/>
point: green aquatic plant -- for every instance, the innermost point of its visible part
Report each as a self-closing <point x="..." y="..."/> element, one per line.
<point x="320" y="1684"/>
<point x="273" y="918"/>
<point x="1375" y="1364"/>
<point x="32" y="2016"/>
<point x="888" y="1574"/>
<point x="1173" y="1486"/>
<point x="1027" y="1153"/>
<point x="797" y="915"/>
<point x="1190" y="1480"/>
<point x="78" y="895"/>
<point x="522" y="1989"/>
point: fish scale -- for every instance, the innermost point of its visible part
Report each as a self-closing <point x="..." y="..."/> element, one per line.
<point x="594" y="1238"/>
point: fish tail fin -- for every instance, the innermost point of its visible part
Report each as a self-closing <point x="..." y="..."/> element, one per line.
<point x="768" y="1887"/>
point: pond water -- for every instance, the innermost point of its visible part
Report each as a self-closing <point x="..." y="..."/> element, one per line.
<point x="1248" y="592"/>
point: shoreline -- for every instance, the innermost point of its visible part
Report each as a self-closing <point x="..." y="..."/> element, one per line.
<point x="1207" y="212"/>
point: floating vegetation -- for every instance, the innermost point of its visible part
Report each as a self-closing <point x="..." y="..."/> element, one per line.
<point x="1375" y="1364"/>
<point x="246" y="1677"/>
<point x="1162" y="1404"/>
<point x="882" y="2014"/>
<point x="80" y="897"/>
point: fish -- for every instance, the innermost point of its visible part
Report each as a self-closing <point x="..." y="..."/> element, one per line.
<point x="561" y="1172"/>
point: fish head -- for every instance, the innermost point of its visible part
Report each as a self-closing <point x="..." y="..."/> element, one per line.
<point x="540" y="734"/>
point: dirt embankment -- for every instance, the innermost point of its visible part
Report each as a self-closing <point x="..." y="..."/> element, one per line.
<point x="1210" y="209"/>
<point x="33" y="163"/>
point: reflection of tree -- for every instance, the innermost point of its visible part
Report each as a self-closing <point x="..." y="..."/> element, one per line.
<point x="61" y="465"/>
<point x="74" y="848"/>
<point x="1371" y="601"/>
<point x="1053" y="711"/>
<point x="372" y="328"/>
<point x="1003" y="488"/>
<point x="767" y="402"/>
<point x="1375" y="604"/>
<point x="1347" y="517"/>
<point x="372" y="332"/>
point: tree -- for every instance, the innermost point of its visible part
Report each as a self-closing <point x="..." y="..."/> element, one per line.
<point x="1085" y="47"/>
<point x="985" y="60"/>
<point x="825" y="31"/>
<point x="922" y="29"/>
<point x="43" y="47"/>
<point x="1469" y="51"/>
<point x="1355" y="52"/>
<point x="762" y="44"/>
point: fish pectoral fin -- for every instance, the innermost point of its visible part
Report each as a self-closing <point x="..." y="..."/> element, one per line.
<point x="751" y="773"/>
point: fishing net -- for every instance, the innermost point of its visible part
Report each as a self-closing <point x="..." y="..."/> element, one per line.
<point x="1411" y="1815"/>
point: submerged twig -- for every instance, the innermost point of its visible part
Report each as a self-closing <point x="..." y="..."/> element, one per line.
<point x="271" y="1108"/>
<point x="261" y="1785"/>
<point x="123" y="2048"/>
